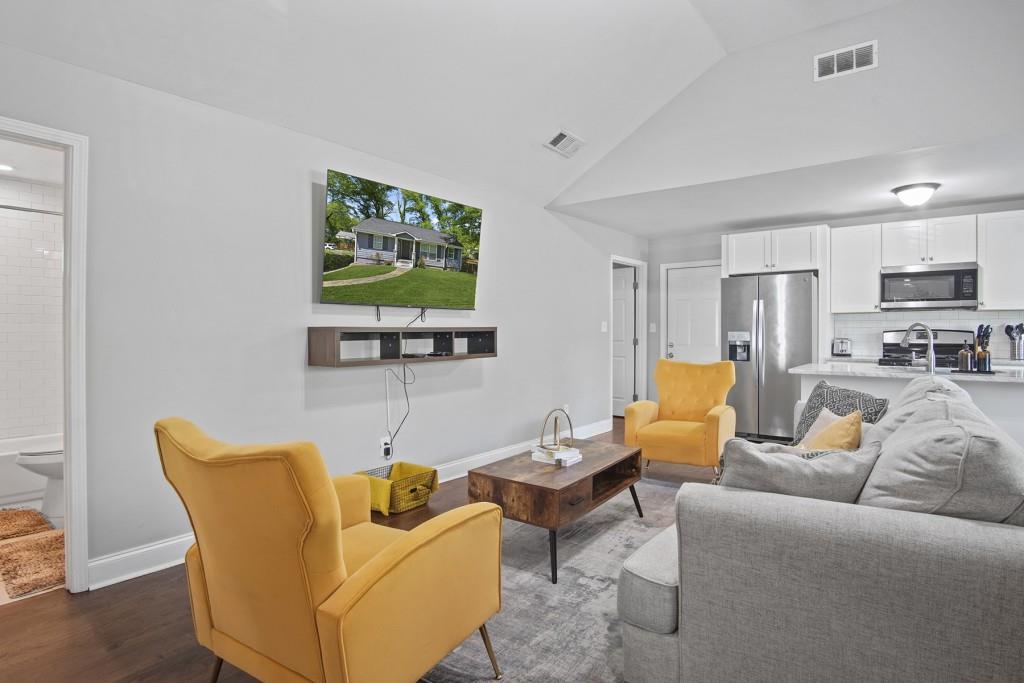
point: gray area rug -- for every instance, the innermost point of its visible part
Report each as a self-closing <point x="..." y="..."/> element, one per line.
<point x="567" y="631"/>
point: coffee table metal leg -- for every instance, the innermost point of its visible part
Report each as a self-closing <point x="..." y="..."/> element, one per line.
<point x="636" y="501"/>
<point x="553" y="548"/>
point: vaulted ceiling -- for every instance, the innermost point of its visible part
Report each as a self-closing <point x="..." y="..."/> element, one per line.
<point x="672" y="96"/>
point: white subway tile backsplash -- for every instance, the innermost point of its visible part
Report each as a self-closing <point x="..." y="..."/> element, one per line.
<point x="865" y="329"/>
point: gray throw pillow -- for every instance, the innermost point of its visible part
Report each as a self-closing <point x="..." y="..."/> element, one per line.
<point x="791" y="471"/>
<point x="920" y="392"/>
<point x="842" y="402"/>
<point x="949" y="459"/>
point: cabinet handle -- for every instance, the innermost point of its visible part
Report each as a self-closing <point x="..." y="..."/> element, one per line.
<point x="876" y="306"/>
<point x="931" y="258"/>
<point x="922" y="258"/>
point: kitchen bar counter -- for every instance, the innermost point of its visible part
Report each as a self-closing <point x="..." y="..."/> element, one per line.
<point x="1004" y="374"/>
<point x="1000" y="396"/>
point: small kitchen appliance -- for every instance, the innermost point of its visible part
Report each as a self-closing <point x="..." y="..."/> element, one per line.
<point x="946" y="285"/>
<point x="841" y="346"/>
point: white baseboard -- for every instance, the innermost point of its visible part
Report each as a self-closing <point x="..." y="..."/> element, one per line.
<point x="152" y="557"/>
<point x="144" y="559"/>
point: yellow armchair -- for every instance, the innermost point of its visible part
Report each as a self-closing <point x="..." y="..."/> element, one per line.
<point x="691" y="422"/>
<point x="291" y="582"/>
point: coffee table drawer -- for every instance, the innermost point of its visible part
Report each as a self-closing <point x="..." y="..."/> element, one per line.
<point x="574" y="502"/>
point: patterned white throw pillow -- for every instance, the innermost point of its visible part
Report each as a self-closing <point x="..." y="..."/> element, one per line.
<point x="840" y="401"/>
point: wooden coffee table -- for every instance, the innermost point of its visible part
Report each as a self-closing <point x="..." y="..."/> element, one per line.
<point x="552" y="497"/>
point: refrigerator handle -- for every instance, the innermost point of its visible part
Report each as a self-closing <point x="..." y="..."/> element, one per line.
<point x="760" y="340"/>
<point x="755" y="348"/>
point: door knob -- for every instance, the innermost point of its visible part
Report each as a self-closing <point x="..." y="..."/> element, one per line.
<point x="670" y="355"/>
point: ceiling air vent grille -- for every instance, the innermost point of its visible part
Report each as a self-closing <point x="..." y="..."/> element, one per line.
<point x="846" y="60"/>
<point x="565" y="143"/>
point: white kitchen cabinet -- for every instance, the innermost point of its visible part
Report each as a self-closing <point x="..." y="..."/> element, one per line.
<point x="794" y="249"/>
<point x="904" y="243"/>
<point x="768" y="251"/>
<point x="936" y="240"/>
<point x="855" y="264"/>
<point x="952" y="240"/>
<point x="749" y="252"/>
<point x="1000" y="245"/>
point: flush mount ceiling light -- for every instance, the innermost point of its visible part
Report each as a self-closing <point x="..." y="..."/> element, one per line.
<point x="5" y="167"/>
<point x="916" y="194"/>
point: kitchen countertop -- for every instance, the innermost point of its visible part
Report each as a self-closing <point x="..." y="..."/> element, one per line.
<point x="1011" y="374"/>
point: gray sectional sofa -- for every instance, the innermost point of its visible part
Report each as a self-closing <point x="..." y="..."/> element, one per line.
<point x="758" y="586"/>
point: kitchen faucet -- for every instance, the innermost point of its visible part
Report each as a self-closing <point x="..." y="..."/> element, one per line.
<point x="930" y="357"/>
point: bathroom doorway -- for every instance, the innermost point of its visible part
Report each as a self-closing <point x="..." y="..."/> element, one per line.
<point x="627" y="325"/>
<point x="43" y="543"/>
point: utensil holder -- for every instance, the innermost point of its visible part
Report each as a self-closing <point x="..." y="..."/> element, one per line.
<point x="1017" y="349"/>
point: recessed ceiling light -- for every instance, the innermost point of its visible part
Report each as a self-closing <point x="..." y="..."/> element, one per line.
<point x="5" y="167"/>
<point x="916" y="194"/>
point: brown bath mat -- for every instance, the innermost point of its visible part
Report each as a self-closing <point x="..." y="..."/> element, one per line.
<point x="32" y="564"/>
<point x="21" y="522"/>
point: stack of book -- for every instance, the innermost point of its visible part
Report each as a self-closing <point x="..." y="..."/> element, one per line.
<point x="563" y="456"/>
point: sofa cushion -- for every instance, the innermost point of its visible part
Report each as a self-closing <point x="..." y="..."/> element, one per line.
<point x="649" y="585"/>
<point x="842" y="402"/>
<point x="917" y="393"/>
<point x="949" y="459"/>
<point x="792" y="471"/>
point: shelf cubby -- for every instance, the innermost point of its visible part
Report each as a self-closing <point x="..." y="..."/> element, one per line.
<point x="345" y="347"/>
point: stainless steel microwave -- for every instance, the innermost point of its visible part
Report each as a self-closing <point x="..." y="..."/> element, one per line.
<point x="941" y="285"/>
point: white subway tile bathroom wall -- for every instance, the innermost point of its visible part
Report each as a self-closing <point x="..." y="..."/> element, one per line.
<point x="31" y="296"/>
<point x="865" y="329"/>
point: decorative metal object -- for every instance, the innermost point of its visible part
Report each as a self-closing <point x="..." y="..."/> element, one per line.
<point x="556" y="445"/>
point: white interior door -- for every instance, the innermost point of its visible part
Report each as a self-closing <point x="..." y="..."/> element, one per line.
<point x="693" y="311"/>
<point x="624" y="338"/>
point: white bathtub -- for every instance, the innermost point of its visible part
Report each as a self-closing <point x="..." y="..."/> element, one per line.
<point x="18" y="486"/>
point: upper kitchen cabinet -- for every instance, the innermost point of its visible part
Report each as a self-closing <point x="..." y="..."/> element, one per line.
<point x="903" y="243"/>
<point x="748" y="252"/>
<point x="953" y="239"/>
<point x="1000" y="244"/>
<point x="936" y="240"/>
<point x="855" y="264"/>
<point x="770" y="251"/>
<point x="794" y="249"/>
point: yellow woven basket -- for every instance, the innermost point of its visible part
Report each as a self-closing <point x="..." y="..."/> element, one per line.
<point x="400" y="486"/>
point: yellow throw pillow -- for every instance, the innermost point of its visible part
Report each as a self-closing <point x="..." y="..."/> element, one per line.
<point x="843" y="434"/>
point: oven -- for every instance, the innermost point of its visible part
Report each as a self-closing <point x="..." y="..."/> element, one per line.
<point x="944" y="285"/>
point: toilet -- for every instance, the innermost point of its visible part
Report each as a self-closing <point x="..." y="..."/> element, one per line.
<point x="49" y="464"/>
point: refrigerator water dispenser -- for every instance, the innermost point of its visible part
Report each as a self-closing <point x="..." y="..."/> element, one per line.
<point x="739" y="346"/>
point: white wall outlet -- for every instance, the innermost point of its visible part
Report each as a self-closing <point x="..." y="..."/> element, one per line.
<point x="385" y="447"/>
<point x="604" y="325"/>
<point x="653" y="328"/>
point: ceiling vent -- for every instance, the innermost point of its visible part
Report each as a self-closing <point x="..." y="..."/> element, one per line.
<point x="565" y="143"/>
<point x="845" y="61"/>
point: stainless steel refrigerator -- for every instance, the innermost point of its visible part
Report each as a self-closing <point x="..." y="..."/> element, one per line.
<point x="769" y="324"/>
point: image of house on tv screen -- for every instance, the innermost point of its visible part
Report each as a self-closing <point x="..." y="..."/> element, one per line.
<point x="388" y="246"/>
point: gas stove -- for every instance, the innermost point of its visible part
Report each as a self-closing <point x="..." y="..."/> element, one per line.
<point x="947" y="344"/>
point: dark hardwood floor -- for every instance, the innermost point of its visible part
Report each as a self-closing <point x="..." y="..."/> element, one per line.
<point x="141" y="630"/>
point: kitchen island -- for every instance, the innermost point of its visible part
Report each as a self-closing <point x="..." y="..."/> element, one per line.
<point x="1000" y="396"/>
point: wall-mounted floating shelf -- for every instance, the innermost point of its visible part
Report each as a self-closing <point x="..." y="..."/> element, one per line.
<point x="345" y="347"/>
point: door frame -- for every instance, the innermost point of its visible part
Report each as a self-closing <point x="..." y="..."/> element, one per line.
<point x="76" y="166"/>
<point x="641" y="326"/>
<point x="398" y="249"/>
<point x="663" y="294"/>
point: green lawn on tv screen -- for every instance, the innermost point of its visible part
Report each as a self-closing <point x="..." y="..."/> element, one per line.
<point x="423" y="287"/>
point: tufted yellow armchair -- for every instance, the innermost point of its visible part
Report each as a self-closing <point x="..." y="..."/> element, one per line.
<point x="691" y="422"/>
<point x="291" y="582"/>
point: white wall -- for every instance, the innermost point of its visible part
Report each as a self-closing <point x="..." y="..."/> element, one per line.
<point x="201" y="284"/>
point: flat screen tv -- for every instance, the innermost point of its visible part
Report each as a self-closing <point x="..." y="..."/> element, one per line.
<point x="389" y="246"/>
